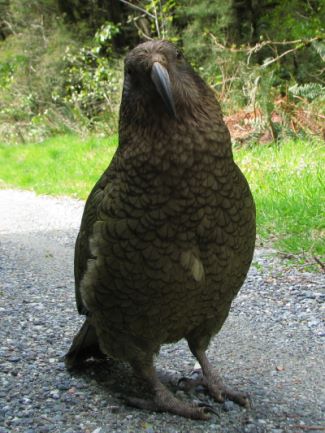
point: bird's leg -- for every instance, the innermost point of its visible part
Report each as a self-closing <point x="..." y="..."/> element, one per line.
<point x="215" y="385"/>
<point x="212" y="380"/>
<point x="164" y="400"/>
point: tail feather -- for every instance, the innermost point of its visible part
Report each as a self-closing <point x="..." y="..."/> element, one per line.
<point x="84" y="346"/>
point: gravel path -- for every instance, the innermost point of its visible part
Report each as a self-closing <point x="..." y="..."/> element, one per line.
<point x="272" y="344"/>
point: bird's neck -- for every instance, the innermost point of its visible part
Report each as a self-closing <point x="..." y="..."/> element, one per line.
<point x="160" y="138"/>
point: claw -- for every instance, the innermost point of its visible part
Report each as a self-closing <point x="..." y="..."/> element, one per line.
<point x="208" y="407"/>
<point x="240" y="398"/>
<point x="187" y="383"/>
<point x="162" y="404"/>
<point x="216" y="390"/>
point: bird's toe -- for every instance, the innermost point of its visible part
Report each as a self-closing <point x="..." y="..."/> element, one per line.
<point x="221" y="393"/>
<point x="168" y="403"/>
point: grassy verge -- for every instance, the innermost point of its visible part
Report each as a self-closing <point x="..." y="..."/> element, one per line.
<point x="287" y="181"/>
<point x="63" y="165"/>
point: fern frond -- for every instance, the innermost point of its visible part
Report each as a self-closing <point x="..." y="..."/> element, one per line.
<point x="319" y="47"/>
<point x="309" y="91"/>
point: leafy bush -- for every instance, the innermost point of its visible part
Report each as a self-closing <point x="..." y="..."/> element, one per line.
<point x="93" y="77"/>
<point x="52" y="84"/>
<point x="31" y="64"/>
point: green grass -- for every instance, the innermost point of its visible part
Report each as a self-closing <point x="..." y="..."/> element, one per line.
<point x="287" y="181"/>
<point x="63" y="165"/>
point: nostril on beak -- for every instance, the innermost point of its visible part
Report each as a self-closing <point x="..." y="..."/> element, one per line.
<point x="160" y="58"/>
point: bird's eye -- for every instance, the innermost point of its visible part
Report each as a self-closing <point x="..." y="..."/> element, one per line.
<point x="128" y="71"/>
<point x="179" y="54"/>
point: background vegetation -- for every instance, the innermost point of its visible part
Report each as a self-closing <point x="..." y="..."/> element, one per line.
<point x="61" y="67"/>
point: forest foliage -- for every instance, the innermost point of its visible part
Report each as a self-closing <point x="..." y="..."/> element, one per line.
<point x="61" y="62"/>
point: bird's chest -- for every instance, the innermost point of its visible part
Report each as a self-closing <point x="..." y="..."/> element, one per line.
<point x="178" y="221"/>
<point x="168" y="204"/>
<point x="170" y="248"/>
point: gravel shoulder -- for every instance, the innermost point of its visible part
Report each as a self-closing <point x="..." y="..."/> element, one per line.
<point x="271" y="346"/>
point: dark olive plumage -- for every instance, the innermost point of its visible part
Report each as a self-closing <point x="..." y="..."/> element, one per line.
<point x="168" y="231"/>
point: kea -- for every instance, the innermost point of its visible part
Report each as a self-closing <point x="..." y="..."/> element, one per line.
<point x="168" y="231"/>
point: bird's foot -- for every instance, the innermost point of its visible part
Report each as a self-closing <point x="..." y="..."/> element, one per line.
<point x="165" y="401"/>
<point x="221" y="393"/>
<point x="215" y="388"/>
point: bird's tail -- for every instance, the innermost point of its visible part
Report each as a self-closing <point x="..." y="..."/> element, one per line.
<point x="84" y="346"/>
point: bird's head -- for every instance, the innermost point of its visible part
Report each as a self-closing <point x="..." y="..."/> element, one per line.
<point x="159" y="82"/>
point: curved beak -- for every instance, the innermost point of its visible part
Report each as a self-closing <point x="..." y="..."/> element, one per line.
<point x="161" y="80"/>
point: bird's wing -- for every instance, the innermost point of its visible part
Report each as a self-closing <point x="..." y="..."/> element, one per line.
<point x="90" y="216"/>
<point x="82" y="250"/>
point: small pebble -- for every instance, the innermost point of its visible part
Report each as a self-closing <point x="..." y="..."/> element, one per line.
<point x="228" y="405"/>
<point x="14" y="359"/>
<point x="114" y="409"/>
<point x="261" y="421"/>
<point x="55" y="394"/>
